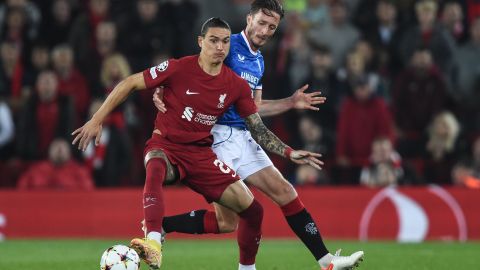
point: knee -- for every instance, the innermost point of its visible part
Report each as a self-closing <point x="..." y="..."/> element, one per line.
<point x="227" y="224"/>
<point x="284" y="192"/>
<point x="256" y="211"/>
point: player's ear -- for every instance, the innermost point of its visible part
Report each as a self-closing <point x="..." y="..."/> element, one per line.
<point x="200" y="39"/>
<point x="249" y="18"/>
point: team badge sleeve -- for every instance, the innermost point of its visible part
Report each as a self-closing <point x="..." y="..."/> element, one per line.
<point x="160" y="74"/>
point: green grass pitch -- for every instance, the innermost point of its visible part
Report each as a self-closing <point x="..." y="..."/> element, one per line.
<point x="223" y="254"/>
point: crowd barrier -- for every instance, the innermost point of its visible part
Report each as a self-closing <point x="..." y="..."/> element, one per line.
<point x="403" y="214"/>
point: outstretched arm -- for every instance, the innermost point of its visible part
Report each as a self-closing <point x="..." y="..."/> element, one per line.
<point x="93" y="128"/>
<point x="299" y="100"/>
<point x="273" y="144"/>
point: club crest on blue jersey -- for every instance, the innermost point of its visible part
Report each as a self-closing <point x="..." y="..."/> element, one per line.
<point x="241" y="58"/>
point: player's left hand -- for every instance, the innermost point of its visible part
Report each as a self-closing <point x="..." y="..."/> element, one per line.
<point x="86" y="133"/>
<point x="302" y="100"/>
<point x="157" y="100"/>
<point x="306" y="157"/>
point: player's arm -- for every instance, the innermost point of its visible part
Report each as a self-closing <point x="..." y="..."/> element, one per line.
<point x="273" y="144"/>
<point x="93" y="128"/>
<point x="299" y="100"/>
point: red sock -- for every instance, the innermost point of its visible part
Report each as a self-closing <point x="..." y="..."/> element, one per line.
<point x="250" y="232"/>
<point x="293" y="207"/>
<point x="153" y="204"/>
<point x="210" y="223"/>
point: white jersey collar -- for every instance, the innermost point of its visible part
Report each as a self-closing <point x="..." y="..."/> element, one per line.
<point x="248" y="44"/>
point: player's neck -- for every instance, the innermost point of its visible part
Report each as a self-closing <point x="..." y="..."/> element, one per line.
<point x="212" y="69"/>
<point x="250" y="43"/>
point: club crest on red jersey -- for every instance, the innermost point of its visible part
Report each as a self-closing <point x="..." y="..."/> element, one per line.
<point x="221" y="100"/>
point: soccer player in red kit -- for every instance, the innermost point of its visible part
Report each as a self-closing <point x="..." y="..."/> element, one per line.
<point x="198" y="89"/>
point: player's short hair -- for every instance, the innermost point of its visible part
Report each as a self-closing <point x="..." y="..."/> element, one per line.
<point x="214" y="22"/>
<point x="267" y="7"/>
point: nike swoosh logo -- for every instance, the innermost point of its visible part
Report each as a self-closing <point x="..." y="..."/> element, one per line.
<point x="148" y="205"/>
<point x="191" y="93"/>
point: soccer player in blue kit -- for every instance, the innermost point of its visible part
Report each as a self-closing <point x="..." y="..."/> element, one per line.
<point x="234" y="145"/>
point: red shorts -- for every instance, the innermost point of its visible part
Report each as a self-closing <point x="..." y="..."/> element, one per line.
<point x="198" y="166"/>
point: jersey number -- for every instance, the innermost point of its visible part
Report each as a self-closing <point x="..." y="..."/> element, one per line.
<point x="223" y="168"/>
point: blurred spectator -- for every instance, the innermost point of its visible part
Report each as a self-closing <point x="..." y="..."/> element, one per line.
<point x="105" y="46"/>
<point x="419" y="93"/>
<point x="82" y="36"/>
<point x="39" y="61"/>
<point x="315" y="14"/>
<point x="299" y="54"/>
<point x="323" y="77"/>
<point x="110" y="161"/>
<point x="364" y="15"/>
<point x="366" y="117"/>
<point x="467" y="86"/>
<point x="467" y="172"/>
<point x="57" y="26"/>
<point x="442" y="148"/>
<point x="452" y="19"/>
<point x="475" y="152"/>
<point x="46" y="115"/>
<point x="354" y="69"/>
<point x="155" y="34"/>
<point x="364" y="48"/>
<point x="58" y="172"/>
<point x="464" y="175"/>
<point x="183" y="16"/>
<point x="106" y="36"/>
<point x="7" y="130"/>
<point x="385" y="166"/>
<point x="306" y="175"/>
<point x="114" y="69"/>
<point x="11" y="74"/>
<point x="339" y="35"/>
<point x="429" y="34"/>
<point x="19" y="20"/>
<point x="232" y="11"/>
<point x="473" y="9"/>
<point x="70" y="81"/>
<point x="313" y="137"/>
<point x="384" y="35"/>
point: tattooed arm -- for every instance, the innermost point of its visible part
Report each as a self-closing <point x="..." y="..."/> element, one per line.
<point x="273" y="144"/>
<point x="264" y="136"/>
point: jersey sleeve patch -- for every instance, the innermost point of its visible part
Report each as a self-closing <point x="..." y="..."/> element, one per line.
<point x="160" y="68"/>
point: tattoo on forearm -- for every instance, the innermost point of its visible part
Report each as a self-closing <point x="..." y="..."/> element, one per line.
<point x="264" y="136"/>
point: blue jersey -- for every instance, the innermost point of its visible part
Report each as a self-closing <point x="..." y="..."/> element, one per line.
<point x="248" y="65"/>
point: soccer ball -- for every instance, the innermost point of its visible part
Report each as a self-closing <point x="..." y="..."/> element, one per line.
<point x="120" y="257"/>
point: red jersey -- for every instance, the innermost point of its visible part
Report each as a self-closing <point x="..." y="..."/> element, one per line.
<point x="195" y="99"/>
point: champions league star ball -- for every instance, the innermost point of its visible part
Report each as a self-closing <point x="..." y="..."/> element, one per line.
<point x="120" y="257"/>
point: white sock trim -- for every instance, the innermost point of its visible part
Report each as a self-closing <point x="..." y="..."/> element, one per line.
<point x="246" y="267"/>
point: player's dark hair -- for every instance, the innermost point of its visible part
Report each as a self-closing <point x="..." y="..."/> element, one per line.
<point x="215" y="22"/>
<point x="267" y="7"/>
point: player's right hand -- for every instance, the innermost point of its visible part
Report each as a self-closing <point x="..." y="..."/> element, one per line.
<point x="86" y="133"/>
<point x="157" y="100"/>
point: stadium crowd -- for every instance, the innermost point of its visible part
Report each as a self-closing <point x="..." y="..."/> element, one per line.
<point x="401" y="77"/>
